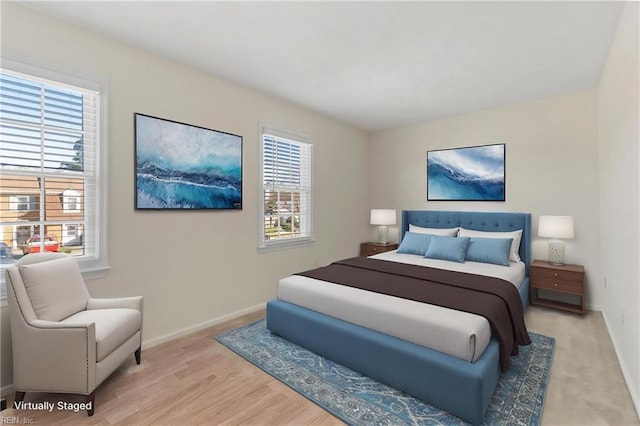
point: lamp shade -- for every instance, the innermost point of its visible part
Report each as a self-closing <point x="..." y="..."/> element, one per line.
<point x="383" y="217"/>
<point x="555" y="226"/>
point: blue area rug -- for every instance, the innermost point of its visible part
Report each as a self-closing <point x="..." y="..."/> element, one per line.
<point x="359" y="400"/>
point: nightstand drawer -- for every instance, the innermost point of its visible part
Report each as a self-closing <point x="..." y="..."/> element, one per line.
<point x="376" y="249"/>
<point x="556" y="284"/>
<point x="555" y="275"/>
<point x="555" y="279"/>
<point x="549" y="282"/>
<point x="369" y="249"/>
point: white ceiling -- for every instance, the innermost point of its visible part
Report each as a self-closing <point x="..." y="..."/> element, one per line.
<point x="374" y="65"/>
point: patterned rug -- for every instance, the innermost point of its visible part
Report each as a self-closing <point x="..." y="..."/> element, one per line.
<point x="359" y="400"/>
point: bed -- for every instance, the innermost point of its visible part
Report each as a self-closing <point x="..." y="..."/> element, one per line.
<point x="460" y="383"/>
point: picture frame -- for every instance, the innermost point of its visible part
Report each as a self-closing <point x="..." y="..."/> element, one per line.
<point x="179" y="166"/>
<point x="474" y="173"/>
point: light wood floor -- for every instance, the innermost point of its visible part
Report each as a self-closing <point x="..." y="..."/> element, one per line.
<point x="195" y="380"/>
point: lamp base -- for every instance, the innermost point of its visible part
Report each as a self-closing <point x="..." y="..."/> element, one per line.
<point x="383" y="234"/>
<point x="556" y="252"/>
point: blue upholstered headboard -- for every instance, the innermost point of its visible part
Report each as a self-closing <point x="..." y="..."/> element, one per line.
<point x="480" y="221"/>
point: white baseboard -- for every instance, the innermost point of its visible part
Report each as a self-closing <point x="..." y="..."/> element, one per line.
<point x="623" y="367"/>
<point x="590" y="307"/>
<point x="146" y="344"/>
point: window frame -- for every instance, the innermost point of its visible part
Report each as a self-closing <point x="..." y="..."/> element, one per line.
<point x="70" y="198"/>
<point x="15" y="201"/>
<point x="97" y="263"/>
<point x="263" y="243"/>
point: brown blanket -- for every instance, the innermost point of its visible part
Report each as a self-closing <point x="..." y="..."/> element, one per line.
<point x="493" y="298"/>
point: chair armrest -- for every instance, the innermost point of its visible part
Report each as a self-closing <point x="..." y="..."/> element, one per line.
<point x="60" y="336"/>
<point x="134" y="302"/>
<point x="54" y="356"/>
<point x="53" y="325"/>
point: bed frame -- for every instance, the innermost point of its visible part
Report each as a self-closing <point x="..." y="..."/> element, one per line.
<point x="451" y="384"/>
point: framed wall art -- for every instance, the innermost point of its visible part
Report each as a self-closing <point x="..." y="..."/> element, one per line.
<point x="185" y="167"/>
<point x="475" y="173"/>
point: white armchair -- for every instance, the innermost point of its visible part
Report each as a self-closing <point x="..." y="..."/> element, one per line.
<point x="65" y="341"/>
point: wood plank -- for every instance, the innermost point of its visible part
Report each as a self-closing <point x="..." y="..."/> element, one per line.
<point x="190" y="380"/>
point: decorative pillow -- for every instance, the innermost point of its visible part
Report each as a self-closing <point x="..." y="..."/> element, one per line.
<point x="414" y="243"/>
<point x="489" y="250"/>
<point x="451" y="232"/>
<point x="515" y="235"/>
<point x="55" y="288"/>
<point x="448" y="248"/>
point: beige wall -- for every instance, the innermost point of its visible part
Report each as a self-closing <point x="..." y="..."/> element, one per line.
<point x="551" y="167"/>
<point x="194" y="268"/>
<point x="620" y="194"/>
<point x="570" y="154"/>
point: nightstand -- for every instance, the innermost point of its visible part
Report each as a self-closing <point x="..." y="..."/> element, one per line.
<point x="371" y="248"/>
<point x="561" y="279"/>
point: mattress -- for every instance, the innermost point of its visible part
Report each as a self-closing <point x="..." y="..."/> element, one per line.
<point x="459" y="334"/>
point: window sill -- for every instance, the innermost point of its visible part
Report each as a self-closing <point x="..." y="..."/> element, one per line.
<point x="93" y="273"/>
<point x="285" y="245"/>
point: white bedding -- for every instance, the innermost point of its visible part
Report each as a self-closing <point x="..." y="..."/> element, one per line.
<point x="459" y="334"/>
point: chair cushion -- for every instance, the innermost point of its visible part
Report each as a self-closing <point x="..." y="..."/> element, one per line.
<point x="55" y="288"/>
<point x="113" y="327"/>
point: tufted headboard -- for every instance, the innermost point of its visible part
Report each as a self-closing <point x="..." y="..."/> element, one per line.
<point x="480" y="221"/>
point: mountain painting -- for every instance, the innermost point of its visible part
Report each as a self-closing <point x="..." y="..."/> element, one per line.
<point x="466" y="174"/>
<point x="179" y="166"/>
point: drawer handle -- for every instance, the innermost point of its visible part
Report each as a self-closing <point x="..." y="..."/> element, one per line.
<point x="555" y="274"/>
<point x="556" y="284"/>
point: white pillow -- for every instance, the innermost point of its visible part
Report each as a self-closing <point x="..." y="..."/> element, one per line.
<point x="447" y="232"/>
<point x="514" y="256"/>
<point x="55" y="288"/>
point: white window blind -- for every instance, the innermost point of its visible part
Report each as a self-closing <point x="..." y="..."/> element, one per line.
<point x="49" y="150"/>
<point x="287" y="189"/>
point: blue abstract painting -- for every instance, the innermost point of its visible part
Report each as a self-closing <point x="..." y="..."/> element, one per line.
<point x="466" y="174"/>
<point x="179" y="166"/>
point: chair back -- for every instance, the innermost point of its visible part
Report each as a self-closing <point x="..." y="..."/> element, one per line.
<point x="45" y="286"/>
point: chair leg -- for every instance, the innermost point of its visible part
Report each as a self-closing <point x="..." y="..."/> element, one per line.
<point x="91" y="403"/>
<point x="19" y="396"/>
<point x="137" y="355"/>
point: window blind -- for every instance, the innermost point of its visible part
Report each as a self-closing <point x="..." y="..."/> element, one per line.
<point x="287" y="189"/>
<point x="49" y="135"/>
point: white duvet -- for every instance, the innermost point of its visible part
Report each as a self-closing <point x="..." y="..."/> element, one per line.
<point x="459" y="334"/>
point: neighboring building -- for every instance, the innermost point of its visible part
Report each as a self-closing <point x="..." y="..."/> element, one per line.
<point x="22" y="214"/>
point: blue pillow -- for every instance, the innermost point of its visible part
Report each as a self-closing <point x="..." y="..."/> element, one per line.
<point x="448" y="248"/>
<point x="414" y="243"/>
<point x="489" y="250"/>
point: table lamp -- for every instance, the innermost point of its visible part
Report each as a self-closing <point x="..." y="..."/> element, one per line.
<point x="556" y="227"/>
<point x="383" y="218"/>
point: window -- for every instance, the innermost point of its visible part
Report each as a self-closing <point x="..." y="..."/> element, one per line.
<point x="286" y="184"/>
<point x="71" y="201"/>
<point x="71" y="230"/>
<point x="22" y="203"/>
<point x="50" y="160"/>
